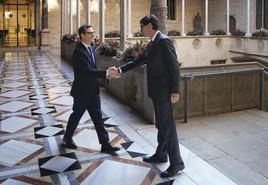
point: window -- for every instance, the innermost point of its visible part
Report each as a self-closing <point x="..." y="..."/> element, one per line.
<point x="171" y="9"/>
<point x="262" y="14"/>
<point x="217" y="62"/>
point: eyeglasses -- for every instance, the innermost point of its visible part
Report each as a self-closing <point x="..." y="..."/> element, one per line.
<point x="91" y="32"/>
<point x="142" y="26"/>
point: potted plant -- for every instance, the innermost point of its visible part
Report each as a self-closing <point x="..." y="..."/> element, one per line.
<point x="194" y="33"/>
<point x="260" y="34"/>
<point x="133" y="50"/>
<point x="238" y="33"/>
<point x="174" y="33"/>
<point x="218" y="32"/>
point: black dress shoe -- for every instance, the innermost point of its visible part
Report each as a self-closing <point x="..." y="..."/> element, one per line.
<point x="154" y="159"/>
<point x="172" y="170"/>
<point x="69" y="144"/>
<point x="108" y="147"/>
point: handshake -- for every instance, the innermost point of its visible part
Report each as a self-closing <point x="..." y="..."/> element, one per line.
<point x="113" y="73"/>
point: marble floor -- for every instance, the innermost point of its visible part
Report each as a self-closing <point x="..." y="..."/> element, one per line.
<point x="35" y="105"/>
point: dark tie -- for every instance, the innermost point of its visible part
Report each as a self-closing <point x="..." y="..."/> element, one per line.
<point x="91" y="54"/>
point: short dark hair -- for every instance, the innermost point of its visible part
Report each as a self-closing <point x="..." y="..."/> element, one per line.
<point x="150" y="19"/>
<point x="83" y="29"/>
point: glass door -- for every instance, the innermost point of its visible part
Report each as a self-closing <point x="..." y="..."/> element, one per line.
<point x="18" y="25"/>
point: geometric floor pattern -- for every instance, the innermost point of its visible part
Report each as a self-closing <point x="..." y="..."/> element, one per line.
<point x="48" y="131"/>
<point x="35" y="105"/>
<point x="58" y="164"/>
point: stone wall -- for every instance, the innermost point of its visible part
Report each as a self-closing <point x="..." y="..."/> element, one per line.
<point x="206" y="95"/>
<point x="238" y="9"/>
<point x="201" y="50"/>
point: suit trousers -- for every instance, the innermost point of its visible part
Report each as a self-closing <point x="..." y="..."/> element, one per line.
<point x="167" y="136"/>
<point x="93" y="106"/>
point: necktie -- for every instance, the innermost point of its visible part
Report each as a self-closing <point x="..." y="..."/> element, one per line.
<point x="91" y="54"/>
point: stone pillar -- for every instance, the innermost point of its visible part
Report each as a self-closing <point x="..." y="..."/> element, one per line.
<point x="262" y="16"/>
<point x="64" y="15"/>
<point x="183" y="18"/>
<point x="101" y="20"/>
<point x="206" y="33"/>
<point x="129" y="19"/>
<point x="45" y="31"/>
<point x="88" y="12"/>
<point x="228" y="18"/>
<point x="77" y="15"/>
<point x="38" y="23"/>
<point x="71" y="17"/>
<point x="248" y="25"/>
<point x="159" y="9"/>
<point x="123" y="21"/>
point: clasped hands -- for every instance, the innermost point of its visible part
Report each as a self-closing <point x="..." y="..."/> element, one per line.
<point x="113" y="73"/>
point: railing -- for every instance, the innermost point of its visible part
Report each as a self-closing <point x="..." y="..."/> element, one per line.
<point x="186" y="78"/>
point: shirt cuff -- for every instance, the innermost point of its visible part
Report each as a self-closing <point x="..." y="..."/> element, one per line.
<point x="119" y="70"/>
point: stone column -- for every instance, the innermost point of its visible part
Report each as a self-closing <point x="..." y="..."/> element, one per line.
<point x="45" y="31"/>
<point x="123" y="21"/>
<point x="159" y="9"/>
<point x="248" y="26"/>
<point x="129" y="19"/>
<point x="64" y="15"/>
<point x="77" y="15"/>
<point x="88" y="12"/>
<point x="262" y="16"/>
<point x="101" y="20"/>
<point x="228" y="18"/>
<point x="71" y="17"/>
<point x="206" y="33"/>
<point x="183" y="18"/>
<point x="38" y="23"/>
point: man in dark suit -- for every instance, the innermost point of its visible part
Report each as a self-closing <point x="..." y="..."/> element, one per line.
<point x="85" y="91"/>
<point x="163" y="78"/>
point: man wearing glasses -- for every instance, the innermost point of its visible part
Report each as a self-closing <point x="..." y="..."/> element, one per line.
<point x="163" y="79"/>
<point x="85" y="91"/>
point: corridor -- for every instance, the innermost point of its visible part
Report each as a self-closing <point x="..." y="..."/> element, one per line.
<point x="35" y="105"/>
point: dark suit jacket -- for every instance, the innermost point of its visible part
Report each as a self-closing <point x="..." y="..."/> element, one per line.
<point x="86" y="75"/>
<point x="163" y="70"/>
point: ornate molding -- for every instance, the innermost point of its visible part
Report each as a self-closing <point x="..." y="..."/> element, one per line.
<point x="239" y="43"/>
<point x="161" y="14"/>
<point x="261" y="45"/>
<point x="219" y="43"/>
<point x="197" y="44"/>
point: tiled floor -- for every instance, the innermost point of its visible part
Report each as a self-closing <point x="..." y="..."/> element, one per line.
<point x="35" y="105"/>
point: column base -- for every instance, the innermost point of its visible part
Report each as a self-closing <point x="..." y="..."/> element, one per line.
<point x="45" y="37"/>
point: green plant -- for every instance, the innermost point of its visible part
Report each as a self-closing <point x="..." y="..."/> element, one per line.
<point x="112" y="34"/>
<point x="95" y="43"/>
<point x="138" y="34"/>
<point x="218" y="32"/>
<point x="260" y="34"/>
<point x="238" y="33"/>
<point x="195" y="32"/>
<point x="174" y="33"/>
<point x="109" y="48"/>
<point x="133" y="50"/>
<point x="71" y="38"/>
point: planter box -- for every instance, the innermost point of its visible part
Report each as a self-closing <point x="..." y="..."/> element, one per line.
<point x="131" y="88"/>
<point x="67" y="51"/>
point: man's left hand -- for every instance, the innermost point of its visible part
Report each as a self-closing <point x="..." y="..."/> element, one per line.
<point x="174" y="97"/>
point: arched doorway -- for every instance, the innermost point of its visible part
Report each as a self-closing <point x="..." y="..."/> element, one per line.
<point x="232" y="24"/>
<point x="17" y="25"/>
